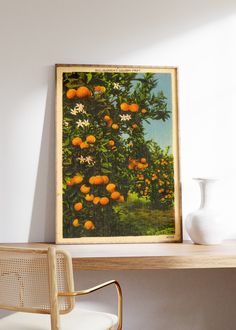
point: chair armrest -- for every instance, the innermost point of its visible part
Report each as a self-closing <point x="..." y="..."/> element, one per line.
<point x="98" y="287"/>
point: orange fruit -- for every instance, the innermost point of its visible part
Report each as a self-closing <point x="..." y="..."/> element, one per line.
<point x="111" y="143"/>
<point x="143" y="160"/>
<point x="97" y="88"/>
<point x="134" y="107"/>
<point x="140" y="166"/>
<point x="124" y="106"/>
<point x="107" y="118"/>
<point x="96" y="200"/>
<point x="134" y="126"/>
<point x="115" y="195"/>
<point x="104" y="200"/>
<point x="121" y="199"/>
<point x="130" y="166"/>
<point x="100" y="89"/>
<point x="98" y="179"/>
<point x="76" y="223"/>
<point x="90" y="139"/>
<point x="111" y="187"/>
<point x="70" y="183"/>
<point x="115" y="126"/>
<point x="84" y="145"/>
<point x="77" y="179"/>
<point x="105" y="179"/>
<point x="78" y="206"/>
<point x="89" y="198"/>
<point x="109" y="123"/>
<point x="89" y="225"/>
<point x="85" y="189"/>
<point x="71" y="93"/>
<point x="144" y="110"/>
<point x="76" y="141"/>
<point x="91" y="179"/>
<point x="83" y="92"/>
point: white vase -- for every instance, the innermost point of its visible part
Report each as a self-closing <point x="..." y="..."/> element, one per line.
<point x="204" y="226"/>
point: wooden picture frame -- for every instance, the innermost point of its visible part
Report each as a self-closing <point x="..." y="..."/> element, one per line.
<point x="117" y="154"/>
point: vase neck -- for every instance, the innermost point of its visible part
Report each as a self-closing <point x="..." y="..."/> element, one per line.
<point x="206" y="188"/>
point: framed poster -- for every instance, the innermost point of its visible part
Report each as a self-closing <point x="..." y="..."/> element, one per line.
<point x="117" y="154"/>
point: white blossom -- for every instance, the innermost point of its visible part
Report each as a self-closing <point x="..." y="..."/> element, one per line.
<point x="82" y="123"/>
<point x="66" y="124"/>
<point x="80" y="108"/>
<point x="74" y="112"/>
<point x="89" y="160"/>
<point x="125" y="117"/>
<point x="82" y="159"/>
<point x="116" y="85"/>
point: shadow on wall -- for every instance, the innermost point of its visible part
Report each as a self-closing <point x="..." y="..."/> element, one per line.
<point x="127" y="26"/>
<point x="42" y="226"/>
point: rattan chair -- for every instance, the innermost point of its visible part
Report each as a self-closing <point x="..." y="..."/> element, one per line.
<point x="36" y="282"/>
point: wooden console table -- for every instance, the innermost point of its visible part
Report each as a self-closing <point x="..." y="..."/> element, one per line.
<point x="147" y="256"/>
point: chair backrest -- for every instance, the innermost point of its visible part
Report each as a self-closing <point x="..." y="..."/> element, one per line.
<point x="24" y="280"/>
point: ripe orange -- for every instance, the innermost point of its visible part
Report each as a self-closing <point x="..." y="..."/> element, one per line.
<point x="130" y="166"/>
<point x="115" y="126"/>
<point x="84" y="145"/>
<point x="134" y="126"/>
<point x="143" y="160"/>
<point x="83" y="92"/>
<point x="144" y="110"/>
<point x="124" y="106"/>
<point x="97" y="88"/>
<point x="76" y="141"/>
<point x="70" y="183"/>
<point x="76" y="223"/>
<point x="109" y="123"/>
<point x="134" y="107"/>
<point x="90" y="139"/>
<point x="140" y="166"/>
<point x="111" y="187"/>
<point x="78" y="206"/>
<point x="96" y="200"/>
<point x="107" y="118"/>
<point x="71" y="93"/>
<point x="115" y="195"/>
<point x="111" y="143"/>
<point x="100" y="89"/>
<point x="85" y="189"/>
<point x="105" y="179"/>
<point x="89" y="198"/>
<point x="91" y="179"/>
<point x="121" y="199"/>
<point x="104" y="200"/>
<point x="98" y="179"/>
<point x="77" y="179"/>
<point x="89" y="225"/>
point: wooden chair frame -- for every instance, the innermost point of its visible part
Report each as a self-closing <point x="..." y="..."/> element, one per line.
<point x="53" y="292"/>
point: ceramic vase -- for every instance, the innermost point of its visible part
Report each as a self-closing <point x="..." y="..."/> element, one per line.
<point x="204" y="226"/>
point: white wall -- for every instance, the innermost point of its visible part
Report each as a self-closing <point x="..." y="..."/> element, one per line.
<point x="199" y="38"/>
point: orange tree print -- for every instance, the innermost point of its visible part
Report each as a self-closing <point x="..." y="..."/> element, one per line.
<point x="108" y="165"/>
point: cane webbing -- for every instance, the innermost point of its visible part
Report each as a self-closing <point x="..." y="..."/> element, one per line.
<point x="24" y="280"/>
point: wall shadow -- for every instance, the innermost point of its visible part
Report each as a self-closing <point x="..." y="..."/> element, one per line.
<point x="130" y="26"/>
<point x="42" y="228"/>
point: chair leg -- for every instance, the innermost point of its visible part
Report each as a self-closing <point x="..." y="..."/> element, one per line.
<point x="55" y="318"/>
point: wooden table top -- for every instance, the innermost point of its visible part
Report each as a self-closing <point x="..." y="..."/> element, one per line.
<point x="147" y="256"/>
